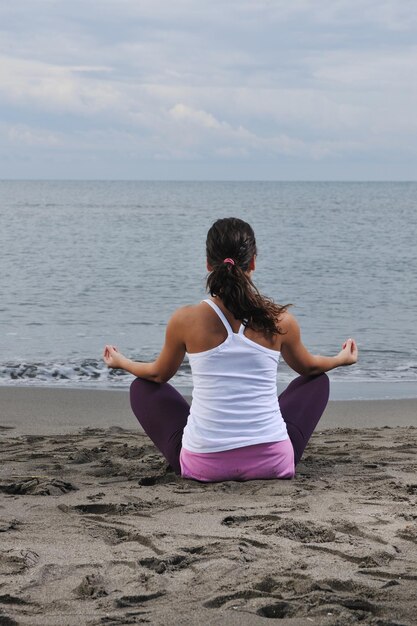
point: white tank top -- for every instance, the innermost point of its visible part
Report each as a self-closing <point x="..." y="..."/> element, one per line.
<point x="234" y="400"/>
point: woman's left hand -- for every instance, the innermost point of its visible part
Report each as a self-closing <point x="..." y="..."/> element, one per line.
<point x="112" y="357"/>
<point x="349" y="352"/>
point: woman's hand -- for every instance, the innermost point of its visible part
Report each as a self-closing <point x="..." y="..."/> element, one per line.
<point x="112" y="357"/>
<point x="349" y="353"/>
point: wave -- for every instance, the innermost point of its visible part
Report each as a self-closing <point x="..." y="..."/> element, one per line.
<point x="94" y="373"/>
<point x="91" y="372"/>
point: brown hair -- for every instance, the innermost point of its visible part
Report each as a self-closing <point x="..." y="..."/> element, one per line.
<point x="232" y="238"/>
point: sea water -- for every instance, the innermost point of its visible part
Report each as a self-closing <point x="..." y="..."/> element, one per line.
<point x="88" y="263"/>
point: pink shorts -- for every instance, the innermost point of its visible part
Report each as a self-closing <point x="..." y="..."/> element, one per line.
<point x="260" y="461"/>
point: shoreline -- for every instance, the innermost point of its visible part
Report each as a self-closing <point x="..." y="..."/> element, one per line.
<point x="340" y="389"/>
<point x="41" y="411"/>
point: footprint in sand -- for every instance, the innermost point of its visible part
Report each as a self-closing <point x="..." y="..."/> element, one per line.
<point x="91" y="586"/>
<point x="5" y="620"/>
<point x="12" y="600"/>
<point x="409" y="533"/>
<point x="170" y="563"/>
<point x="316" y="605"/>
<point x="98" y="518"/>
<point x="339" y="597"/>
<point x="219" y="601"/>
<point x="376" y="559"/>
<point x="6" y="525"/>
<point x="123" y="508"/>
<point x="114" y="536"/>
<point x="85" y="456"/>
<point x="17" y="561"/>
<point x="96" y="496"/>
<point x="159" y="479"/>
<point x="278" y="610"/>
<point x="36" y="486"/>
<point x="127" y="601"/>
<point x="352" y="530"/>
<point x="295" y="530"/>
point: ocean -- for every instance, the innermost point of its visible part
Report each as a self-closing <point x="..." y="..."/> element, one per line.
<point x="85" y="263"/>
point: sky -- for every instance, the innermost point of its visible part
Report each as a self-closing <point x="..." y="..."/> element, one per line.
<point x="208" y="89"/>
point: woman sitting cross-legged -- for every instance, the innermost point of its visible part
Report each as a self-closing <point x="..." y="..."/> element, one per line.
<point x="236" y="428"/>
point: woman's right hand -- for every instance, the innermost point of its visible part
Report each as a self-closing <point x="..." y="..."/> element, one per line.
<point x="112" y="357"/>
<point x="349" y="353"/>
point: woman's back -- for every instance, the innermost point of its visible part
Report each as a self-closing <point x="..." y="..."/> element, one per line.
<point x="204" y="329"/>
<point x="234" y="393"/>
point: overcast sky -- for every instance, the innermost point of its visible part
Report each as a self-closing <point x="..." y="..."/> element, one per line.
<point x="209" y="89"/>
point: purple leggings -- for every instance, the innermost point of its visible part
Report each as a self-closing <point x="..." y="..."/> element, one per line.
<point x="162" y="412"/>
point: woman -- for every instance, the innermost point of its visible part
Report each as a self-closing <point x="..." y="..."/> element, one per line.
<point x="236" y="427"/>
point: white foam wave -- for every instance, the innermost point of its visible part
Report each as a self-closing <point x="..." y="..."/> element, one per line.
<point x="94" y="373"/>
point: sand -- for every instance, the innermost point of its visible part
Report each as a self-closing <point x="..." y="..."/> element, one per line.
<point x="95" y="528"/>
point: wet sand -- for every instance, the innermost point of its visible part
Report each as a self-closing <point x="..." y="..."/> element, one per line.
<point x="37" y="411"/>
<point x="96" y="529"/>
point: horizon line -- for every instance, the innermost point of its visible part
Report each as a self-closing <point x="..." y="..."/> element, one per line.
<point x="208" y="180"/>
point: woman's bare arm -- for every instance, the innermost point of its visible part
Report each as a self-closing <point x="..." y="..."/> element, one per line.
<point x="302" y="361"/>
<point x="167" y="363"/>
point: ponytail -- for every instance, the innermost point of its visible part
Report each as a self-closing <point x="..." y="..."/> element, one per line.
<point x="230" y="248"/>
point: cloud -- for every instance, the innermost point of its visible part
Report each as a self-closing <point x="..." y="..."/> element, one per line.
<point x="29" y="136"/>
<point x="55" y="88"/>
<point x="379" y="70"/>
<point x="232" y="80"/>
<point x="184" y="113"/>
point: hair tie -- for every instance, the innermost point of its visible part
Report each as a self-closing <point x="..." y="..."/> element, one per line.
<point x="229" y="261"/>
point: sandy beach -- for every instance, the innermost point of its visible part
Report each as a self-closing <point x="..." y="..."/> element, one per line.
<point x="96" y="529"/>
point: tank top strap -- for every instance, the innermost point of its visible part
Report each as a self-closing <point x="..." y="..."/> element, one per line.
<point x="241" y="329"/>
<point x="220" y="314"/>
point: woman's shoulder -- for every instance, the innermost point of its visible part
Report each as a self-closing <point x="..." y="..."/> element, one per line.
<point x="287" y="322"/>
<point x="186" y="313"/>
